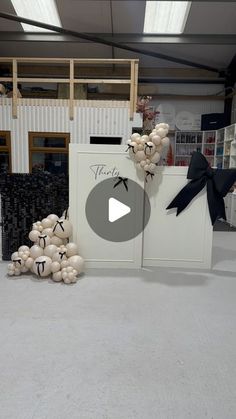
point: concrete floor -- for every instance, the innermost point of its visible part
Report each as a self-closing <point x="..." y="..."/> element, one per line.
<point x="153" y="344"/>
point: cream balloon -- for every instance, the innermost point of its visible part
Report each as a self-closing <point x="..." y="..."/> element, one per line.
<point x="155" y="158"/>
<point x="55" y="267"/>
<point x="165" y="142"/>
<point x="57" y="277"/>
<point x="135" y="136"/>
<point x="36" y="251"/>
<point x="64" y="263"/>
<point x="162" y="132"/>
<point x="29" y="263"/>
<point x="47" y="223"/>
<point x="149" y="148"/>
<point x="62" y="228"/>
<point x="139" y="156"/>
<point x="33" y="235"/>
<point x="59" y="256"/>
<point x="53" y="218"/>
<point x="143" y="163"/>
<point x="48" y="231"/>
<point x="72" y="249"/>
<point x="156" y="139"/>
<point x="23" y="248"/>
<point x="56" y="240"/>
<point x="77" y="262"/>
<point x="50" y="250"/>
<point x="42" y="266"/>
<point x="43" y="240"/>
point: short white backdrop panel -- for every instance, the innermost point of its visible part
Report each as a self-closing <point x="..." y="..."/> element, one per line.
<point x="183" y="241"/>
<point x="112" y="161"/>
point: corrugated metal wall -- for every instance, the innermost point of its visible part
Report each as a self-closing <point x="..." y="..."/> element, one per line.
<point x="108" y="118"/>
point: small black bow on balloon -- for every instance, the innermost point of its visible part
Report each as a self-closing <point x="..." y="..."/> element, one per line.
<point x="120" y="180"/>
<point x="38" y="266"/>
<point x="148" y="146"/>
<point x="148" y="174"/>
<point x="130" y="147"/>
<point x="60" y="223"/>
<point x="217" y="181"/>
<point x="43" y="237"/>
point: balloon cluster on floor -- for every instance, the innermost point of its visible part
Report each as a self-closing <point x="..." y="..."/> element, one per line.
<point x="146" y="150"/>
<point x="51" y="253"/>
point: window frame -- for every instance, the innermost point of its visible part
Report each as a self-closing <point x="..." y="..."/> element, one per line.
<point x="7" y="147"/>
<point x="49" y="150"/>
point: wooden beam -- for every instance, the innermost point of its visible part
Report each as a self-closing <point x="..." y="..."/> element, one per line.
<point x="131" y="98"/>
<point x="71" y="102"/>
<point x="14" y="97"/>
<point x="135" y="86"/>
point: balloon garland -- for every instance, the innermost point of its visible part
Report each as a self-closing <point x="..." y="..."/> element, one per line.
<point x="146" y="150"/>
<point x="51" y="253"/>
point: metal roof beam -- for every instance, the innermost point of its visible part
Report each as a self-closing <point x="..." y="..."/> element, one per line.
<point x="213" y="39"/>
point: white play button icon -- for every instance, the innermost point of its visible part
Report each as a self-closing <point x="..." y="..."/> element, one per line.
<point x="117" y="210"/>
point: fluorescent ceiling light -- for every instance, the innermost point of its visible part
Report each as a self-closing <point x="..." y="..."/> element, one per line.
<point x="166" y="16"/>
<point x="44" y="11"/>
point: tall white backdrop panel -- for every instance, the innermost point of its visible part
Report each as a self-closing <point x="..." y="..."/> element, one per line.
<point x="183" y="241"/>
<point x="83" y="177"/>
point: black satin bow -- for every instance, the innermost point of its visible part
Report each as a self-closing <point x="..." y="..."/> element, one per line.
<point x="217" y="181"/>
<point x="148" y="174"/>
<point x="38" y="266"/>
<point x="60" y="223"/>
<point x="123" y="180"/>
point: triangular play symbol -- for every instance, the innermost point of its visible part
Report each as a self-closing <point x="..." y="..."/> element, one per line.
<point x="117" y="210"/>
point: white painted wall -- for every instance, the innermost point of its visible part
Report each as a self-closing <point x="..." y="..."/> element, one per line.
<point x="108" y="118"/>
<point x="193" y="105"/>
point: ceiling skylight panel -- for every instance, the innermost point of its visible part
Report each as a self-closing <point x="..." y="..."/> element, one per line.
<point x="166" y="16"/>
<point x="41" y="10"/>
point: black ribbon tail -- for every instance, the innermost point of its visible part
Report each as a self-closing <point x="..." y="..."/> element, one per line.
<point x="185" y="196"/>
<point x="216" y="203"/>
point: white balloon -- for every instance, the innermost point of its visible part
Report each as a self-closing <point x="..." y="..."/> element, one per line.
<point x="135" y="136"/>
<point x="62" y="228"/>
<point x="53" y="218"/>
<point x="33" y="235"/>
<point x="162" y="125"/>
<point x="155" y="158"/>
<point x="133" y="149"/>
<point x="42" y="266"/>
<point x="36" y="251"/>
<point x="145" y="138"/>
<point x="156" y="139"/>
<point x="23" y="249"/>
<point x="55" y="267"/>
<point x="152" y="167"/>
<point x="43" y="240"/>
<point x="139" y="156"/>
<point x="59" y="256"/>
<point x="14" y="255"/>
<point x="143" y="163"/>
<point x="48" y="231"/>
<point x="149" y="148"/>
<point x="29" y="263"/>
<point x="57" y="276"/>
<point x="50" y="250"/>
<point x="64" y="263"/>
<point x="151" y="136"/>
<point x="56" y="240"/>
<point x="47" y="223"/>
<point x="165" y="142"/>
<point x="77" y="262"/>
<point x="72" y="249"/>
<point x="162" y="132"/>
